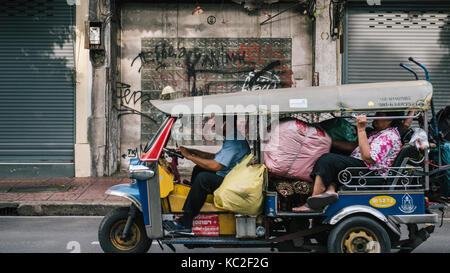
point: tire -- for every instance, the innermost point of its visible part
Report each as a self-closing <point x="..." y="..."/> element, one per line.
<point x="110" y="230"/>
<point x="359" y="234"/>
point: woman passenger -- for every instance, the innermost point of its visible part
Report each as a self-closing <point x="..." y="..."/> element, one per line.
<point x="376" y="150"/>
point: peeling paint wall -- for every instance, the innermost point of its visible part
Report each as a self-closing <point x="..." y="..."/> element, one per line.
<point x="218" y="51"/>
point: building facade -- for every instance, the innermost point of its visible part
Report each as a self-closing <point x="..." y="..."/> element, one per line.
<point x="77" y="75"/>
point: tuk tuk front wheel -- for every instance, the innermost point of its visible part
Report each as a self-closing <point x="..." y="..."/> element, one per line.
<point x="359" y="234"/>
<point x="111" y="230"/>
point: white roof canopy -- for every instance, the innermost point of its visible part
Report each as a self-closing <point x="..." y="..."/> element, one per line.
<point x="384" y="96"/>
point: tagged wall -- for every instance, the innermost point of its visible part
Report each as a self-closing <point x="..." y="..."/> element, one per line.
<point x="205" y="66"/>
<point x="224" y="49"/>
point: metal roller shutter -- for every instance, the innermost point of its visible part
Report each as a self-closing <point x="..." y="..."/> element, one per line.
<point x="36" y="88"/>
<point x="378" y="38"/>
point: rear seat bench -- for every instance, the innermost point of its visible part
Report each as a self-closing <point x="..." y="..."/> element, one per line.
<point x="399" y="175"/>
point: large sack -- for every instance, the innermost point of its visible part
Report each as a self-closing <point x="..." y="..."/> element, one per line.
<point x="242" y="189"/>
<point x="293" y="148"/>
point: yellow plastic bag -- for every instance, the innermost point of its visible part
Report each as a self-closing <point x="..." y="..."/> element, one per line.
<point x="242" y="189"/>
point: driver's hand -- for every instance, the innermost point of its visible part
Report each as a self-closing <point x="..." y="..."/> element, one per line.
<point x="184" y="151"/>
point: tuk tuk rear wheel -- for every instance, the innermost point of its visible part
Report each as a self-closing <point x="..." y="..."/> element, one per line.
<point x="359" y="234"/>
<point x="110" y="233"/>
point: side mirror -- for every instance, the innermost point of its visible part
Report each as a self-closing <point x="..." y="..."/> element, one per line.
<point x="140" y="172"/>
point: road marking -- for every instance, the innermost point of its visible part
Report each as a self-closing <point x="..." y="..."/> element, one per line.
<point x="74" y="247"/>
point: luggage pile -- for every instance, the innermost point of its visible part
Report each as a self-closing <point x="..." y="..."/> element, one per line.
<point x="293" y="148"/>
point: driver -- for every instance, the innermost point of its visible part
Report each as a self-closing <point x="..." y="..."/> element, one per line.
<point x="209" y="172"/>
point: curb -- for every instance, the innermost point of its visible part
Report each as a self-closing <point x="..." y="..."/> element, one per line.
<point x="58" y="208"/>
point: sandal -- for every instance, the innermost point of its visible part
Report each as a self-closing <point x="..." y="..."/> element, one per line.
<point x="321" y="200"/>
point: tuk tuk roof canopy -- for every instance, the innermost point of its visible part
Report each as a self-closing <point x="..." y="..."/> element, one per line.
<point x="365" y="97"/>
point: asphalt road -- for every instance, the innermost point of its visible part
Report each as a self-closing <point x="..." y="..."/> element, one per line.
<point x="69" y="234"/>
<point x="78" y="234"/>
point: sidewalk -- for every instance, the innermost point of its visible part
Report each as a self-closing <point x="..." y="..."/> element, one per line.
<point x="59" y="196"/>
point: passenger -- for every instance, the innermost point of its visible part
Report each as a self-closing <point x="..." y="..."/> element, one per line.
<point x="377" y="150"/>
<point x="209" y="172"/>
<point x="406" y="123"/>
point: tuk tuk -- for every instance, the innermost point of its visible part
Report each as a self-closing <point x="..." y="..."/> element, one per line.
<point x="366" y="218"/>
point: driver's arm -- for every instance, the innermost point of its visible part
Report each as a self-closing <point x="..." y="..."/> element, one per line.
<point x="207" y="164"/>
<point x="202" y="154"/>
<point x="198" y="153"/>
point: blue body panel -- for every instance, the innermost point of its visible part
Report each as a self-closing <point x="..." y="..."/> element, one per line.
<point x="137" y="192"/>
<point x="130" y="189"/>
<point x="143" y="194"/>
<point x="142" y="188"/>
<point x="406" y="203"/>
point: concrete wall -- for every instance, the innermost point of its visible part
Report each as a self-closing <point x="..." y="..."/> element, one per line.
<point x="83" y="94"/>
<point x="97" y="129"/>
<point x="148" y="27"/>
<point x="326" y="56"/>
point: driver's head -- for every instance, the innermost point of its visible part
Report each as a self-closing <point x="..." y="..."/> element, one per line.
<point x="226" y="126"/>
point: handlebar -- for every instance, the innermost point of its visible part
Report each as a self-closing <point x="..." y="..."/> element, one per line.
<point x="172" y="152"/>
<point x="427" y="75"/>
<point x="410" y="70"/>
<point x="435" y="124"/>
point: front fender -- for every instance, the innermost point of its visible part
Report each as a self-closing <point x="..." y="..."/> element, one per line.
<point x="129" y="191"/>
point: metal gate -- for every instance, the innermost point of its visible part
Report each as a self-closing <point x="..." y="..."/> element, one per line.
<point x="37" y="91"/>
<point x="379" y="37"/>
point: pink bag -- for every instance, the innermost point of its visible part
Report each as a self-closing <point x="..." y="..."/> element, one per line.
<point x="293" y="148"/>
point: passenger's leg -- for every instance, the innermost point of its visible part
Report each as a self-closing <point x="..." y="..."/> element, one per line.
<point x="318" y="189"/>
<point x="328" y="167"/>
<point x="325" y="172"/>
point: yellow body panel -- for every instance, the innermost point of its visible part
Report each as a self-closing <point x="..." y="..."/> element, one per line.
<point x="165" y="205"/>
<point x="174" y="195"/>
<point x="227" y="224"/>
<point x="165" y="181"/>
<point x="178" y="197"/>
